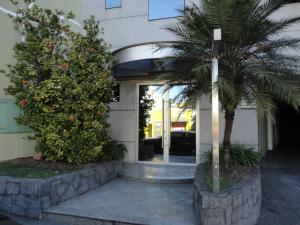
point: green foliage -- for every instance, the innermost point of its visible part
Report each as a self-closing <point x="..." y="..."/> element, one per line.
<point x="225" y="182"/>
<point x="145" y="105"/>
<point x="113" y="151"/>
<point x="11" y="170"/>
<point x="241" y="155"/>
<point x="62" y="82"/>
<point x="257" y="64"/>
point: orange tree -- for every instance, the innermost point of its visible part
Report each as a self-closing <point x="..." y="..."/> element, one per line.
<point x="62" y="82"/>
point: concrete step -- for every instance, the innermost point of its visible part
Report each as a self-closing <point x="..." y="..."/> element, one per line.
<point x="162" y="174"/>
<point x="69" y="219"/>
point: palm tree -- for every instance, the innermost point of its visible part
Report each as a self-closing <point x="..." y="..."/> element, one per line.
<point x="255" y="62"/>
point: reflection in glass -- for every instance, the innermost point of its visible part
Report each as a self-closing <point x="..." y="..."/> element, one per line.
<point x="151" y="121"/>
<point x="159" y="9"/>
<point x="183" y="128"/>
<point x="113" y="3"/>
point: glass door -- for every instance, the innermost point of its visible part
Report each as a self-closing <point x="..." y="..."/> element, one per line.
<point x="182" y="128"/>
<point x="167" y="131"/>
<point x="151" y="126"/>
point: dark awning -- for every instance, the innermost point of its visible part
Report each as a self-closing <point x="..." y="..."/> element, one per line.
<point x="141" y="61"/>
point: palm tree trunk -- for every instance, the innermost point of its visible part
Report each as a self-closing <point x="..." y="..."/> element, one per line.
<point x="229" y="118"/>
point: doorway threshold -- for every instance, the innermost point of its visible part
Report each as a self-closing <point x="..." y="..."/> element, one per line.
<point x="158" y="173"/>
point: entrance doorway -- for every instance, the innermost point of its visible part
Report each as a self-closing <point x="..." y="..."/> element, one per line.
<point x="167" y="125"/>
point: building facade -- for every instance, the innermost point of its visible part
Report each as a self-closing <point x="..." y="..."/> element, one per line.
<point x="133" y="28"/>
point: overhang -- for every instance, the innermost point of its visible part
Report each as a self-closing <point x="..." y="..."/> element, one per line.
<point x="142" y="61"/>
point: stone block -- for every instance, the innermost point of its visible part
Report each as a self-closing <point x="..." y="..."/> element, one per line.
<point x="246" y="192"/>
<point x="55" y="183"/>
<point x="237" y="199"/>
<point x="45" y="202"/>
<point x="54" y="196"/>
<point x="18" y="210"/>
<point x="12" y="188"/>
<point x="216" y="202"/>
<point x="6" y="203"/>
<point x="34" y="210"/>
<point x="195" y="194"/>
<point x="21" y="200"/>
<point x="44" y="188"/>
<point x="228" y="213"/>
<point x="214" y="221"/>
<point x="85" y="172"/>
<point x="29" y="187"/>
<point x="84" y="186"/>
<point x="76" y="182"/>
<point x="205" y="202"/>
<point x="3" y="182"/>
<point x="67" y="178"/>
<point x="216" y="213"/>
<point x="62" y="188"/>
<point x="236" y="214"/>
<point x="70" y="193"/>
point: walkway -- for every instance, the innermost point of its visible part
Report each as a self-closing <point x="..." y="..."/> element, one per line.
<point x="281" y="189"/>
<point x="131" y="202"/>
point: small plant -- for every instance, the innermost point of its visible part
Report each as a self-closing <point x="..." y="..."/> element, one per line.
<point x="242" y="158"/>
<point x="113" y="151"/>
<point x="241" y="155"/>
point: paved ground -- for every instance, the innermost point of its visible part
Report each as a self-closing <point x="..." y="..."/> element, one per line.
<point x="24" y="221"/>
<point x="281" y="189"/>
<point x="172" y="202"/>
<point x="136" y="202"/>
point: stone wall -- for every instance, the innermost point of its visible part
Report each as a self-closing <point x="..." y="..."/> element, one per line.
<point x="28" y="197"/>
<point x="237" y="205"/>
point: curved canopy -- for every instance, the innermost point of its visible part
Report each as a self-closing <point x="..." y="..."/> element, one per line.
<point x="141" y="61"/>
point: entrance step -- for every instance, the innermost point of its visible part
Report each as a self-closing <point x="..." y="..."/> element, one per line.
<point x="154" y="173"/>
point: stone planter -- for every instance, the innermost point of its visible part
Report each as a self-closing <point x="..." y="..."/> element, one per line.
<point x="237" y="205"/>
<point x="28" y="197"/>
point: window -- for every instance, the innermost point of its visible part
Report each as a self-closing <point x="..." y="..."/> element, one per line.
<point x="8" y="112"/>
<point x="109" y="4"/>
<point x="159" y="9"/>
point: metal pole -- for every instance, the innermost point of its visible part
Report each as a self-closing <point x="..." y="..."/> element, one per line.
<point x="198" y="134"/>
<point x="215" y="112"/>
<point x="167" y="123"/>
<point x="215" y="127"/>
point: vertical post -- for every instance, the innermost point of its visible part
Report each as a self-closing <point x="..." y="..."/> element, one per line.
<point x="215" y="112"/>
<point x="167" y="123"/>
<point x="215" y="127"/>
<point x="270" y="133"/>
<point x="198" y="129"/>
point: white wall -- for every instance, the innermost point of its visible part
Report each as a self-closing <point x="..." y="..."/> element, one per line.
<point x="123" y="119"/>
<point x="245" y="126"/>
<point x="129" y="24"/>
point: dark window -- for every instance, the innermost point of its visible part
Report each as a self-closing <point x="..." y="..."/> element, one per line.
<point x="109" y="4"/>
<point x="160" y="9"/>
<point x="116" y="93"/>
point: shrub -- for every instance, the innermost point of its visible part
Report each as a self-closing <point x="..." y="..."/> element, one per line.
<point x="240" y="155"/>
<point x="113" y="151"/>
<point x="62" y="82"/>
